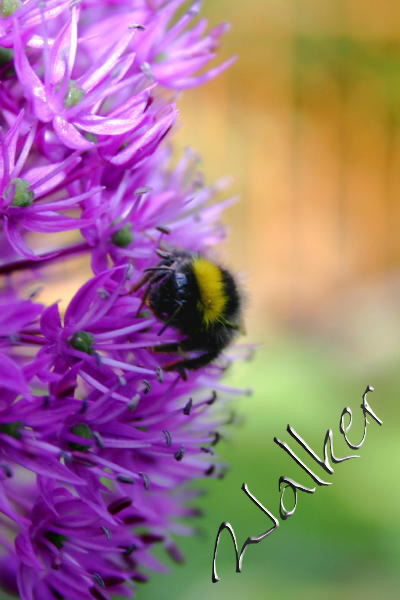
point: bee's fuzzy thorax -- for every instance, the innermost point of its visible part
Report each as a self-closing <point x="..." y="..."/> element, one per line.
<point x="209" y="278"/>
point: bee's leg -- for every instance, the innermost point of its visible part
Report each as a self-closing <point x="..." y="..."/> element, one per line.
<point x="151" y="274"/>
<point x="171" y="347"/>
<point x="139" y="284"/>
<point x="171" y="318"/>
<point x="144" y="297"/>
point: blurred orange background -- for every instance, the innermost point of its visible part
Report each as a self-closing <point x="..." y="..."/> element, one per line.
<point x="307" y="122"/>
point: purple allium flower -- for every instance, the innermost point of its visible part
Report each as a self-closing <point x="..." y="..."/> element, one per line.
<point x="29" y="14"/>
<point x="169" y="53"/>
<point x="98" y="436"/>
<point x="33" y="199"/>
<point x="73" y="101"/>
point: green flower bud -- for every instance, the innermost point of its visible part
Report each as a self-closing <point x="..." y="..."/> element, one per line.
<point x="74" y="94"/>
<point x="23" y="196"/>
<point x="83" y="341"/>
<point x="6" y="55"/>
<point x="56" y="538"/>
<point x="12" y="429"/>
<point x="123" y="237"/>
<point x="8" y="7"/>
<point x="82" y="430"/>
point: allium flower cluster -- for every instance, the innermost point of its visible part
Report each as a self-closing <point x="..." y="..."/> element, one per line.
<point x="96" y="439"/>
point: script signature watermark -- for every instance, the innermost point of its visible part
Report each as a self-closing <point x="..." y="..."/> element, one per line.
<point x="294" y="485"/>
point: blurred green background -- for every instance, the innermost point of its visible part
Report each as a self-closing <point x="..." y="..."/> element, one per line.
<point x="307" y="122"/>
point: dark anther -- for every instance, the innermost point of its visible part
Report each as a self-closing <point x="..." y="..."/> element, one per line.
<point x="106" y="532"/>
<point x="67" y="456"/>
<point x="168" y="438"/>
<point x="151" y="538"/>
<point x="97" y="358"/>
<point x="113" y="580"/>
<point x="179" y="454"/>
<point x="175" y="554"/>
<point x="99" y="580"/>
<point x="188" y="407"/>
<point x="213" y="398"/>
<point x="56" y="594"/>
<point x="146" y="480"/>
<point x="217" y="437"/>
<point x="139" y="27"/>
<point x="134" y="402"/>
<point x="162" y="253"/>
<point x="143" y="190"/>
<point x="103" y="293"/>
<point x="145" y="386"/>
<point x="35" y="292"/>
<point x="163" y="229"/>
<point x="98" y="439"/>
<point x="140" y="578"/>
<point x="160" y="374"/>
<point x="195" y="512"/>
<point x="210" y="470"/>
<point x="119" y="505"/>
<point x="84" y="406"/>
<point x="129" y="272"/>
<point x="7" y="470"/>
<point x="96" y="593"/>
<point x="124" y="478"/>
<point x="223" y="472"/>
<point x="128" y="551"/>
<point x="207" y="450"/>
<point x="85" y="462"/>
<point x="46" y="401"/>
<point x="134" y="520"/>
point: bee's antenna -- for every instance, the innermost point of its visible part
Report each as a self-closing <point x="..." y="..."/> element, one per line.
<point x="163" y="229"/>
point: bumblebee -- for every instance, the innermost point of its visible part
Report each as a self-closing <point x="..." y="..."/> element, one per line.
<point x="198" y="298"/>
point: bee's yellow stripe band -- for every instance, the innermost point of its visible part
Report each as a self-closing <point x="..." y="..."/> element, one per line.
<point x="211" y="287"/>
